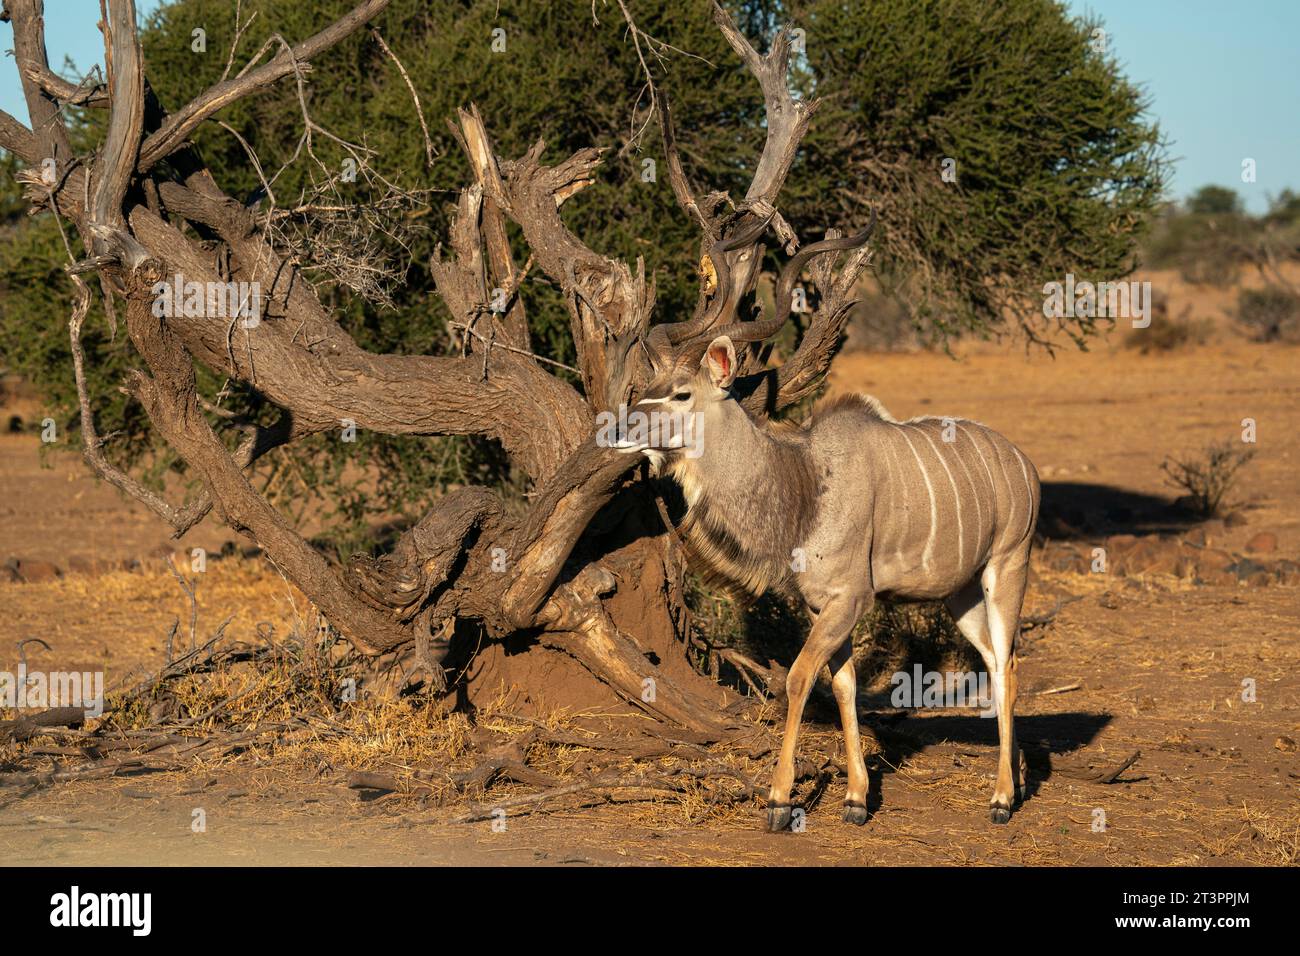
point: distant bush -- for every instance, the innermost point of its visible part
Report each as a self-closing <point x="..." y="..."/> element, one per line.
<point x="1214" y="201"/>
<point x="1202" y="247"/>
<point x="1168" y="334"/>
<point x="1209" y="239"/>
<point x="1270" y="314"/>
<point x="1207" y="481"/>
<point x="882" y="323"/>
<point x="1210" y="268"/>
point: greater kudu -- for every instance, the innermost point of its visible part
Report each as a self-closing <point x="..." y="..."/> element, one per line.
<point x="850" y="505"/>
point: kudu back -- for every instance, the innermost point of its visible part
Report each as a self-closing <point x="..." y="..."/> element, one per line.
<point x="848" y="506"/>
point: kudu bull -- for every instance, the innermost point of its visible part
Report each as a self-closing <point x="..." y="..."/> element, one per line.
<point x="861" y="504"/>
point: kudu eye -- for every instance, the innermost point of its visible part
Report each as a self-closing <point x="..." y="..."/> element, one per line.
<point x="682" y="397"/>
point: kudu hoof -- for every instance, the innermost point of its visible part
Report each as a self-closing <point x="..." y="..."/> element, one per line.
<point x="779" y="816"/>
<point x="855" y="812"/>
<point x="1000" y="814"/>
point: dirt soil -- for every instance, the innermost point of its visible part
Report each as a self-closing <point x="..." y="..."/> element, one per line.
<point x="1132" y="662"/>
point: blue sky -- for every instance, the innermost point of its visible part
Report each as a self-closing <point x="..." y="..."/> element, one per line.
<point x="1224" y="79"/>
<point x="1224" y="83"/>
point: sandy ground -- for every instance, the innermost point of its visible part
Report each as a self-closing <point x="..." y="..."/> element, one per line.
<point x="1159" y="665"/>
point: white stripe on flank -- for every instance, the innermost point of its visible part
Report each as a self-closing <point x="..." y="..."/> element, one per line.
<point x="979" y="507"/>
<point x="956" y="498"/>
<point x="934" y="513"/>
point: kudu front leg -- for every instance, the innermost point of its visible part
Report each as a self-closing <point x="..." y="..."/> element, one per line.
<point x="828" y="634"/>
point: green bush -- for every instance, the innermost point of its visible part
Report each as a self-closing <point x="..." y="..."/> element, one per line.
<point x="1210" y="239"/>
<point x="1215" y="201"/>
<point x="1056" y="166"/>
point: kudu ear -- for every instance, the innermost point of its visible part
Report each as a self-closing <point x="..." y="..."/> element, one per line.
<point x="720" y="361"/>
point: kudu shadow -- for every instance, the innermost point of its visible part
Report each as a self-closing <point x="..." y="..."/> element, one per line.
<point x="1073" y="510"/>
<point x="1042" y="738"/>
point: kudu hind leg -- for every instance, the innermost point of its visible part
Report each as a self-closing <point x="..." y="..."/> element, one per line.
<point x="970" y="609"/>
<point x="828" y="634"/>
<point x="1004" y="589"/>
<point x="844" y="681"/>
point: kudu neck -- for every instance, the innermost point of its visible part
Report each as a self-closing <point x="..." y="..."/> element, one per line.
<point x="751" y="495"/>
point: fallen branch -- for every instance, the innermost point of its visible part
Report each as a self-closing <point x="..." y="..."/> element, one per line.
<point x="133" y="763"/>
<point x="1103" y="774"/>
<point x="610" y="781"/>
<point x="32" y="725"/>
<point x="1031" y="621"/>
<point x="383" y="784"/>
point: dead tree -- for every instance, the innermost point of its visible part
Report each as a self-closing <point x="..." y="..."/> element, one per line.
<point x="589" y="570"/>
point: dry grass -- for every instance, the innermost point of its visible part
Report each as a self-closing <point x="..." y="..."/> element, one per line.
<point x="119" y="621"/>
<point x="265" y="715"/>
<point x="280" y="698"/>
<point x="298" y="695"/>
